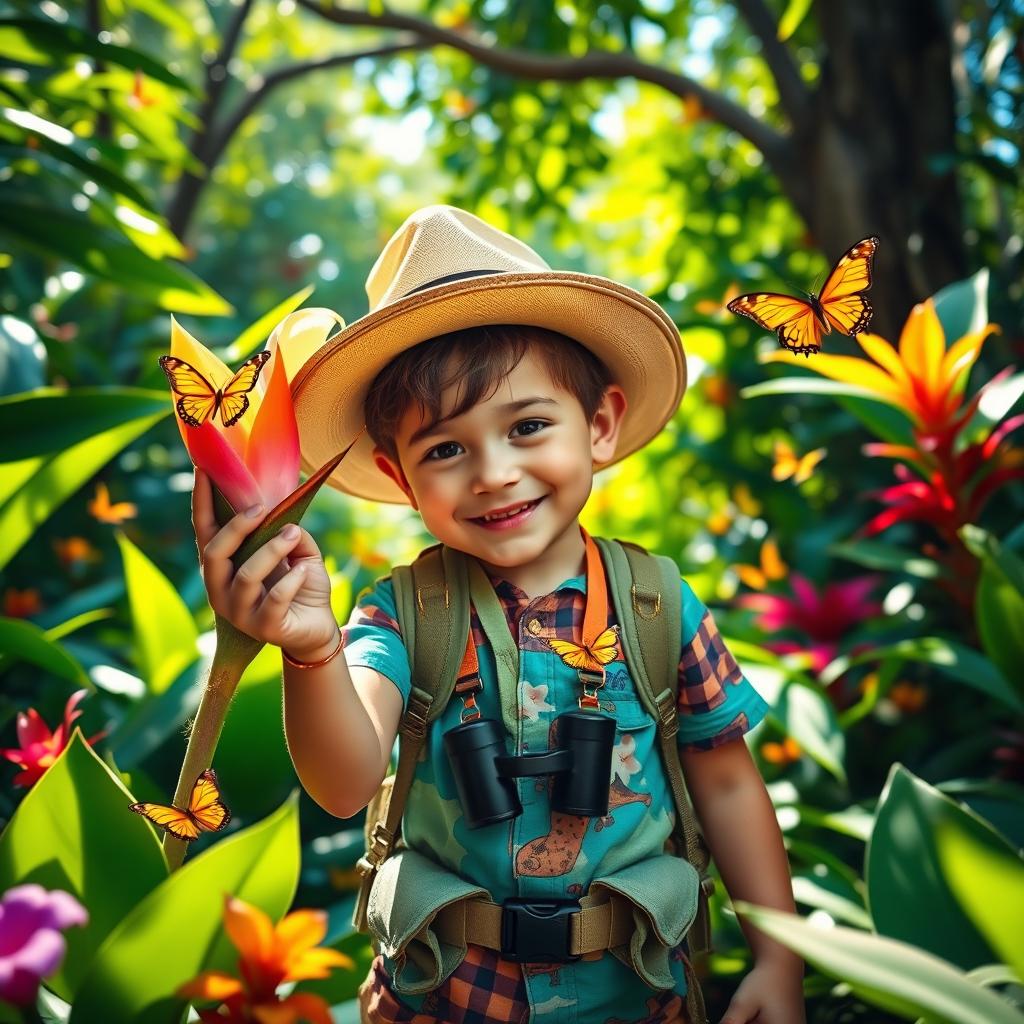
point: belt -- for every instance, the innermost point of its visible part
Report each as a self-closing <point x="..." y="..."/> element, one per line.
<point x="537" y="930"/>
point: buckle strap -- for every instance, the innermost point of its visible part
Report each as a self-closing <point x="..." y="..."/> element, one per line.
<point x="591" y="928"/>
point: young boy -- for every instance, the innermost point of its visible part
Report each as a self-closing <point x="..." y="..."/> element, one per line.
<point x="492" y="388"/>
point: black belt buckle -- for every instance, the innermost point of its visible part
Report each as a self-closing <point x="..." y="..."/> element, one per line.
<point x="537" y="930"/>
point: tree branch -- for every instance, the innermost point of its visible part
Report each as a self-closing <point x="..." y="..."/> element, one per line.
<point x="793" y="93"/>
<point x="596" y="64"/>
<point x="218" y="141"/>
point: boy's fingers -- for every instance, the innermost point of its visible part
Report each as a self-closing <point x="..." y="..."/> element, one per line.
<point x="280" y="595"/>
<point x="202" y="512"/>
<point x="247" y="586"/>
<point x="217" y="552"/>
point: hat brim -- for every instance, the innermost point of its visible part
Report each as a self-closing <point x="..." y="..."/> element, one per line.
<point x="629" y="332"/>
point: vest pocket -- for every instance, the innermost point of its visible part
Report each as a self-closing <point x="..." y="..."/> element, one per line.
<point x="663" y="890"/>
<point x="407" y="893"/>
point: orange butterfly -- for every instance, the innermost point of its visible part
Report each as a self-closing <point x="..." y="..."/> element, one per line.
<point x="840" y="305"/>
<point x="206" y="811"/>
<point x="594" y="656"/>
<point x="105" y="511"/>
<point x="789" y="464"/>
<point x="200" y="400"/>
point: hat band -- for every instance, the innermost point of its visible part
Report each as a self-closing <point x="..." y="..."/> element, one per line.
<point x="452" y="277"/>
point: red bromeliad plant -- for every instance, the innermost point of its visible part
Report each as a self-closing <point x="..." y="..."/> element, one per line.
<point x="942" y="481"/>
<point x="253" y="462"/>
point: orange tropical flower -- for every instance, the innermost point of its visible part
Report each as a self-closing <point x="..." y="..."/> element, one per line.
<point x="922" y="377"/>
<point x="37" y="747"/>
<point x="772" y="568"/>
<point x="20" y="604"/>
<point x="71" y="550"/>
<point x="269" y="956"/>
<point x="102" y="509"/>
<point x="783" y="753"/>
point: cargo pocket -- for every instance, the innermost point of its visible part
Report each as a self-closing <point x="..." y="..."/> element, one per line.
<point x="407" y="893"/>
<point x="663" y="890"/>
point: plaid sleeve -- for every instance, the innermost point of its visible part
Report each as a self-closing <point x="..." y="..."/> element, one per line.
<point x="372" y="637"/>
<point x="716" y="701"/>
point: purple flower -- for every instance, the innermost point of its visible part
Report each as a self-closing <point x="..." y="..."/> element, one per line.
<point x="31" y="944"/>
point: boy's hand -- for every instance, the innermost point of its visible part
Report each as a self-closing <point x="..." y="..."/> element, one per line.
<point x="769" y="994"/>
<point x="281" y="594"/>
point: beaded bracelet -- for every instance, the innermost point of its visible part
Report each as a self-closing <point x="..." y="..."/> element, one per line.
<point x="313" y="664"/>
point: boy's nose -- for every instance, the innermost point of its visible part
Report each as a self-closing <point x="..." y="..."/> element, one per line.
<point x="493" y="474"/>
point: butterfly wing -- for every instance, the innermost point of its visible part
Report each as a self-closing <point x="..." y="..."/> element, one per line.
<point x="197" y="397"/>
<point x="601" y="652"/>
<point x="234" y="401"/>
<point x="791" y="318"/>
<point x="179" y="823"/>
<point x="606" y="647"/>
<point x="205" y="804"/>
<point x="842" y="297"/>
<point x="571" y="653"/>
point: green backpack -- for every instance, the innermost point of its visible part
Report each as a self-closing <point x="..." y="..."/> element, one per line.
<point x="432" y="602"/>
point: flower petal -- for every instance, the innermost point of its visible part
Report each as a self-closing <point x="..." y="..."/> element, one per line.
<point x="219" y="461"/>
<point x="879" y="349"/>
<point x="317" y="963"/>
<point x="961" y="357"/>
<point x="249" y="928"/>
<point x="299" y="1006"/>
<point x="210" y="985"/>
<point x="272" y="453"/>
<point x="300" y="334"/>
<point x="847" y="369"/>
<point x="923" y="347"/>
<point x="302" y="929"/>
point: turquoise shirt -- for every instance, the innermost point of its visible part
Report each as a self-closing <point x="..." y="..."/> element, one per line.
<point x="526" y="856"/>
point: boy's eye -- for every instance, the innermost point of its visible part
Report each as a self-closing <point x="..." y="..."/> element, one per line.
<point x="430" y="456"/>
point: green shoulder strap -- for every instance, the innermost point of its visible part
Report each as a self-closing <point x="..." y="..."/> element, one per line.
<point x="646" y="594"/>
<point x="432" y="602"/>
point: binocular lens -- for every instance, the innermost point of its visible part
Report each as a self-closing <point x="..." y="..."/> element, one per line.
<point x="472" y="749"/>
<point x="583" y="789"/>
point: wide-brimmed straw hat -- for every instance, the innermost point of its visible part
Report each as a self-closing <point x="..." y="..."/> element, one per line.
<point x="444" y="270"/>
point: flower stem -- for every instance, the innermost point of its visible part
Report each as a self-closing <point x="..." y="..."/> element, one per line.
<point x="232" y="656"/>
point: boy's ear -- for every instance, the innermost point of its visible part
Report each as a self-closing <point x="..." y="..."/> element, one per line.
<point x="394" y="471"/>
<point x="607" y="423"/>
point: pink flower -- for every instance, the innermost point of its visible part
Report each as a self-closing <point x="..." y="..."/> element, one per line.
<point x="31" y="944"/>
<point x="824" y="617"/>
<point x="38" y="747"/>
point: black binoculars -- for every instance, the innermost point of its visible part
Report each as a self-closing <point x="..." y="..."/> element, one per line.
<point x="483" y="769"/>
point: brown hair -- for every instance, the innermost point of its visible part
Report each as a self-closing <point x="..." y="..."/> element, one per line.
<point x="483" y="357"/>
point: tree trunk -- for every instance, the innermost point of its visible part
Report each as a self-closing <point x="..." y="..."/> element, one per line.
<point x="875" y="155"/>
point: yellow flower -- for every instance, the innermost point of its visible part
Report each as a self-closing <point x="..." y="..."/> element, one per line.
<point x="922" y="377"/>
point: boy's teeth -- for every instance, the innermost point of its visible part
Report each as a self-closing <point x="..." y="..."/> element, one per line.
<point x="506" y="515"/>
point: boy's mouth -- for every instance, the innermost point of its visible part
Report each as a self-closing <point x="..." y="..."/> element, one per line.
<point x="514" y="514"/>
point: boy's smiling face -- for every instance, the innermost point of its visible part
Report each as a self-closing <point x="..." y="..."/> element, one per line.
<point x="496" y="457"/>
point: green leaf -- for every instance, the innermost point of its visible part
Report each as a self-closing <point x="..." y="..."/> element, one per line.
<point x="258" y="332"/>
<point x="988" y="881"/>
<point x="810" y="718"/>
<point x="886" y="973"/>
<point x="918" y="906"/>
<point x="25" y="641"/>
<point x="949" y="657"/>
<point x="792" y="17"/>
<point x="76" y="238"/>
<point x="55" y="478"/>
<point x="74" y="831"/>
<point x="962" y="307"/>
<point x="177" y="931"/>
<point x="62" y="418"/>
<point x="34" y="41"/>
<point x="876" y="555"/>
<point x="165" y="633"/>
<point x="999" y="602"/>
<point x="808" y="386"/>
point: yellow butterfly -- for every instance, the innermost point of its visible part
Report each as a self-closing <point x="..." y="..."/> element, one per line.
<point x="206" y="811"/>
<point x="593" y="657"/>
<point x="105" y="511"/>
<point x="199" y="400"/>
<point x="789" y="464"/>
<point x="840" y="305"/>
<point x="772" y="568"/>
